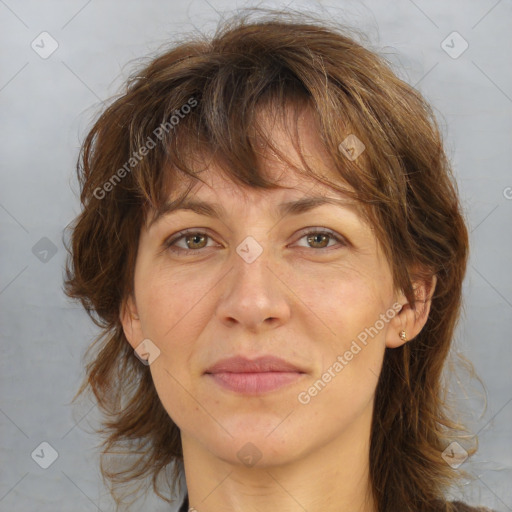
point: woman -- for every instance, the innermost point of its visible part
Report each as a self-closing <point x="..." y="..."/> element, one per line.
<point x="270" y="225"/>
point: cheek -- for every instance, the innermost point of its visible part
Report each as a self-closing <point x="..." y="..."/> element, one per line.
<point x="169" y="302"/>
<point x="353" y="305"/>
<point x="346" y="298"/>
<point x="170" y="311"/>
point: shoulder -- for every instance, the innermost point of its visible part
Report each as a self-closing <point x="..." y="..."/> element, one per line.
<point x="458" y="506"/>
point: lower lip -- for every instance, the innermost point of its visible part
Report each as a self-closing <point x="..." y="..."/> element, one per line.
<point x="254" y="383"/>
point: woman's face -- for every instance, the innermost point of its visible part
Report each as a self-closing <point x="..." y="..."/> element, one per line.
<point x="258" y="282"/>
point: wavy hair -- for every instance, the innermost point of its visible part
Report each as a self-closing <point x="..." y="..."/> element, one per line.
<point x="204" y="94"/>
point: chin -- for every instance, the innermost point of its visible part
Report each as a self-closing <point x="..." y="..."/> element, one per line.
<point x="257" y="444"/>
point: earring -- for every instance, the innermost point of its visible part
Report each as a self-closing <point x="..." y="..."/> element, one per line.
<point x="402" y="335"/>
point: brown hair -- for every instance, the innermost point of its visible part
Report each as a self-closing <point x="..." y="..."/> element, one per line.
<point x="402" y="179"/>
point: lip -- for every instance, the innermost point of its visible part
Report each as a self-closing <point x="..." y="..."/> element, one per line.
<point x="239" y="364"/>
<point x="254" y="376"/>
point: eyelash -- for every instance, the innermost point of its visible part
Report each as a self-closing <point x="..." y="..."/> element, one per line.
<point x="169" y="244"/>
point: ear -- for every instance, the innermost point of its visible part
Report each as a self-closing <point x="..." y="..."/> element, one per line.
<point x="409" y="319"/>
<point x="131" y="322"/>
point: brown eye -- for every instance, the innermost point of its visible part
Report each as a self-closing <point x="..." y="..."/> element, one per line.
<point x="187" y="241"/>
<point x="196" y="241"/>
<point x="320" y="239"/>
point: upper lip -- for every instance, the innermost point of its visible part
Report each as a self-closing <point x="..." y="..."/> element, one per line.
<point x="239" y="364"/>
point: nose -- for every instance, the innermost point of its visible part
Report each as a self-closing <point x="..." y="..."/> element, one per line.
<point x="253" y="294"/>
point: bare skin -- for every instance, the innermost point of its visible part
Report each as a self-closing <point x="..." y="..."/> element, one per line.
<point x="305" y="299"/>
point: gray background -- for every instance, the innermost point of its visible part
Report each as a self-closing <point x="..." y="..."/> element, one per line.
<point x="48" y="103"/>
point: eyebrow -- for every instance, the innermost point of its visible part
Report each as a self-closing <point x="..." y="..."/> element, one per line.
<point x="216" y="210"/>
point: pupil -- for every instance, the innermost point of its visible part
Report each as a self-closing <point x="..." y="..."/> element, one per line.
<point x="195" y="239"/>
<point x="317" y="238"/>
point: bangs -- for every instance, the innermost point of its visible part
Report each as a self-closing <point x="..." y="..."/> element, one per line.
<point x="221" y="113"/>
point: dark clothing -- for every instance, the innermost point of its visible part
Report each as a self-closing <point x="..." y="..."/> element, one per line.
<point x="184" y="506"/>
<point x="459" y="507"/>
<point x="462" y="507"/>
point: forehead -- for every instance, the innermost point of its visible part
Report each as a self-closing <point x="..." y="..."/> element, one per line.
<point x="215" y="185"/>
<point x="219" y="197"/>
<point x="290" y="154"/>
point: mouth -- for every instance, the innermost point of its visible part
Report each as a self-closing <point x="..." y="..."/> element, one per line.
<point x="254" y="377"/>
<point x="254" y="383"/>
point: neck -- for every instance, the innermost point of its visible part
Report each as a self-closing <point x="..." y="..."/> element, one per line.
<point x="331" y="478"/>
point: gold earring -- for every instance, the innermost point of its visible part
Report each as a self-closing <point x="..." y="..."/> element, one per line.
<point x="403" y="336"/>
